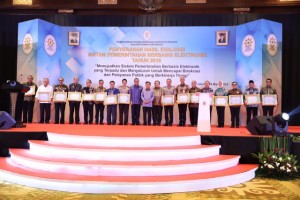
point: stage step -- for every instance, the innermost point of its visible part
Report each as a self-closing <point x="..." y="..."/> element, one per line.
<point x="53" y="149"/>
<point x="65" y="165"/>
<point x="125" y="184"/>
<point x="165" y="140"/>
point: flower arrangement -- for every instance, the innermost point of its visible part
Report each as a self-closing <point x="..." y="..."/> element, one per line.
<point x="274" y="159"/>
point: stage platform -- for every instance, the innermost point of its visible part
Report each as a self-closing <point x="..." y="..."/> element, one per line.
<point x="127" y="159"/>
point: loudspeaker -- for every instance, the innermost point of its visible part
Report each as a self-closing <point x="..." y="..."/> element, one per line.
<point x="6" y="121"/>
<point x="261" y="125"/>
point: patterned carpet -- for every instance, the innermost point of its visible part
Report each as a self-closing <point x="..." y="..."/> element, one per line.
<point x="257" y="188"/>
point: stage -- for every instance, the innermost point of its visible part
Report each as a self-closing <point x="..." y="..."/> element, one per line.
<point x="127" y="159"/>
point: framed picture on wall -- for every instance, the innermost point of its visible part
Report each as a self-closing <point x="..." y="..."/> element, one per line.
<point x="74" y="38"/>
<point x="221" y="38"/>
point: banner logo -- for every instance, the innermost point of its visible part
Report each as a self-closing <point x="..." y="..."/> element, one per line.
<point x="50" y="45"/>
<point x="248" y="45"/>
<point x="272" y="44"/>
<point x="147" y="35"/>
<point x="27" y="43"/>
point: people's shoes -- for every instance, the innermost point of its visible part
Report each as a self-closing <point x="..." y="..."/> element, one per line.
<point x="48" y="122"/>
<point x="231" y="126"/>
<point x="191" y="125"/>
<point x="166" y="124"/>
<point x="237" y="127"/>
<point x="137" y="124"/>
<point x="125" y="123"/>
<point x="120" y="124"/>
<point x="179" y="125"/>
<point x="56" y="123"/>
<point x="170" y="124"/>
<point x="145" y="124"/>
<point x="113" y="124"/>
<point x="85" y="123"/>
<point x="62" y="122"/>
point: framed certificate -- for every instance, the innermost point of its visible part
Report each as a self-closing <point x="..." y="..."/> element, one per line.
<point x="183" y="98"/>
<point x="194" y="98"/>
<point x="124" y="98"/>
<point x="60" y="96"/>
<point x="220" y="100"/>
<point x="111" y="100"/>
<point x="88" y="97"/>
<point x="31" y="91"/>
<point x="100" y="96"/>
<point x="269" y="100"/>
<point x="167" y="100"/>
<point x="74" y="96"/>
<point x="236" y="100"/>
<point x="44" y="97"/>
<point x="252" y="99"/>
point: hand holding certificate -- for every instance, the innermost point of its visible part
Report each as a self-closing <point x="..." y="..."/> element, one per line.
<point x="269" y="100"/>
<point x="236" y="100"/>
<point x="168" y="100"/>
<point x="220" y="100"/>
<point x="88" y="97"/>
<point x="183" y="98"/>
<point x="74" y="96"/>
<point x="100" y="96"/>
<point x="111" y="100"/>
<point x="194" y="98"/>
<point x="31" y="91"/>
<point x="252" y="99"/>
<point x="124" y="98"/>
<point x="44" y="97"/>
<point x="60" y="97"/>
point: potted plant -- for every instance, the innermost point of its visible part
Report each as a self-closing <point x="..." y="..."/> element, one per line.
<point x="274" y="159"/>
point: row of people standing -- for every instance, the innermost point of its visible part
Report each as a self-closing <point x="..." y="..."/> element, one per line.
<point x="149" y="98"/>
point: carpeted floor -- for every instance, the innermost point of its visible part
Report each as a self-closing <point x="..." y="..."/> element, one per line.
<point x="257" y="188"/>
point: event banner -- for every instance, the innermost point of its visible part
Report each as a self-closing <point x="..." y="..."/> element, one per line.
<point x="148" y="53"/>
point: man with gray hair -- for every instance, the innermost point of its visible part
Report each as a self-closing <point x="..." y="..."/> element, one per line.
<point x="74" y="105"/>
<point x="44" y="96"/>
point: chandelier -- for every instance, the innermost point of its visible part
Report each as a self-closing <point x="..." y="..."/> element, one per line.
<point x="150" y="5"/>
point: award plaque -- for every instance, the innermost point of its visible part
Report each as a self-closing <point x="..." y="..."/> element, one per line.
<point x="44" y="97"/>
<point x="88" y="97"/>
<point x="236" y="100"/>
<point x="31" y="91"/>
<point x="194" y="98"/>
<point x="60" y="96"/>
<point x="167" y="100"/>
<point x="74" y="96"/>
<point x="220" y="100"/>
<point x="252" y="99"/>
<point x="269" y="100"/>
<point x="100" y="96"/>
<point x="124" y="98"/>
<point x="111" y="100"/>
<point x="183" y="98"/>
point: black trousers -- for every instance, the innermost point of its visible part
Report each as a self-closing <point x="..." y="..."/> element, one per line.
<point x="251" y="111"/>
<point x="74" y="106"/>
<point x="123" y="113"/>
<point x="193" y="115"/>
<point x="99" y="110"/>
<point x="157" y="114"/>
<point x="168" y="115"/>
<point x="88" y="110"/>
<point x="135" y="114"/>
<point x="111" y="114"/>
<point x="147" y="112"/>
<point x="45" y="112"/>
<point x="59" y="112"/>
<point x="235" y="115"/>
<point x="221" y="115"/>
<point x="182" y="113"/>
<point x="268" y="110"/>
<point x="28" y="111"/>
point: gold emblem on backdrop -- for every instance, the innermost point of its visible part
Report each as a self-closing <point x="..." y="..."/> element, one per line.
<point x="22" y="2"/>
<point x="104" y="2"/>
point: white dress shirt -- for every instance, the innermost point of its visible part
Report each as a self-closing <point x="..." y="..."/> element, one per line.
<point x="43" y="88"/>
